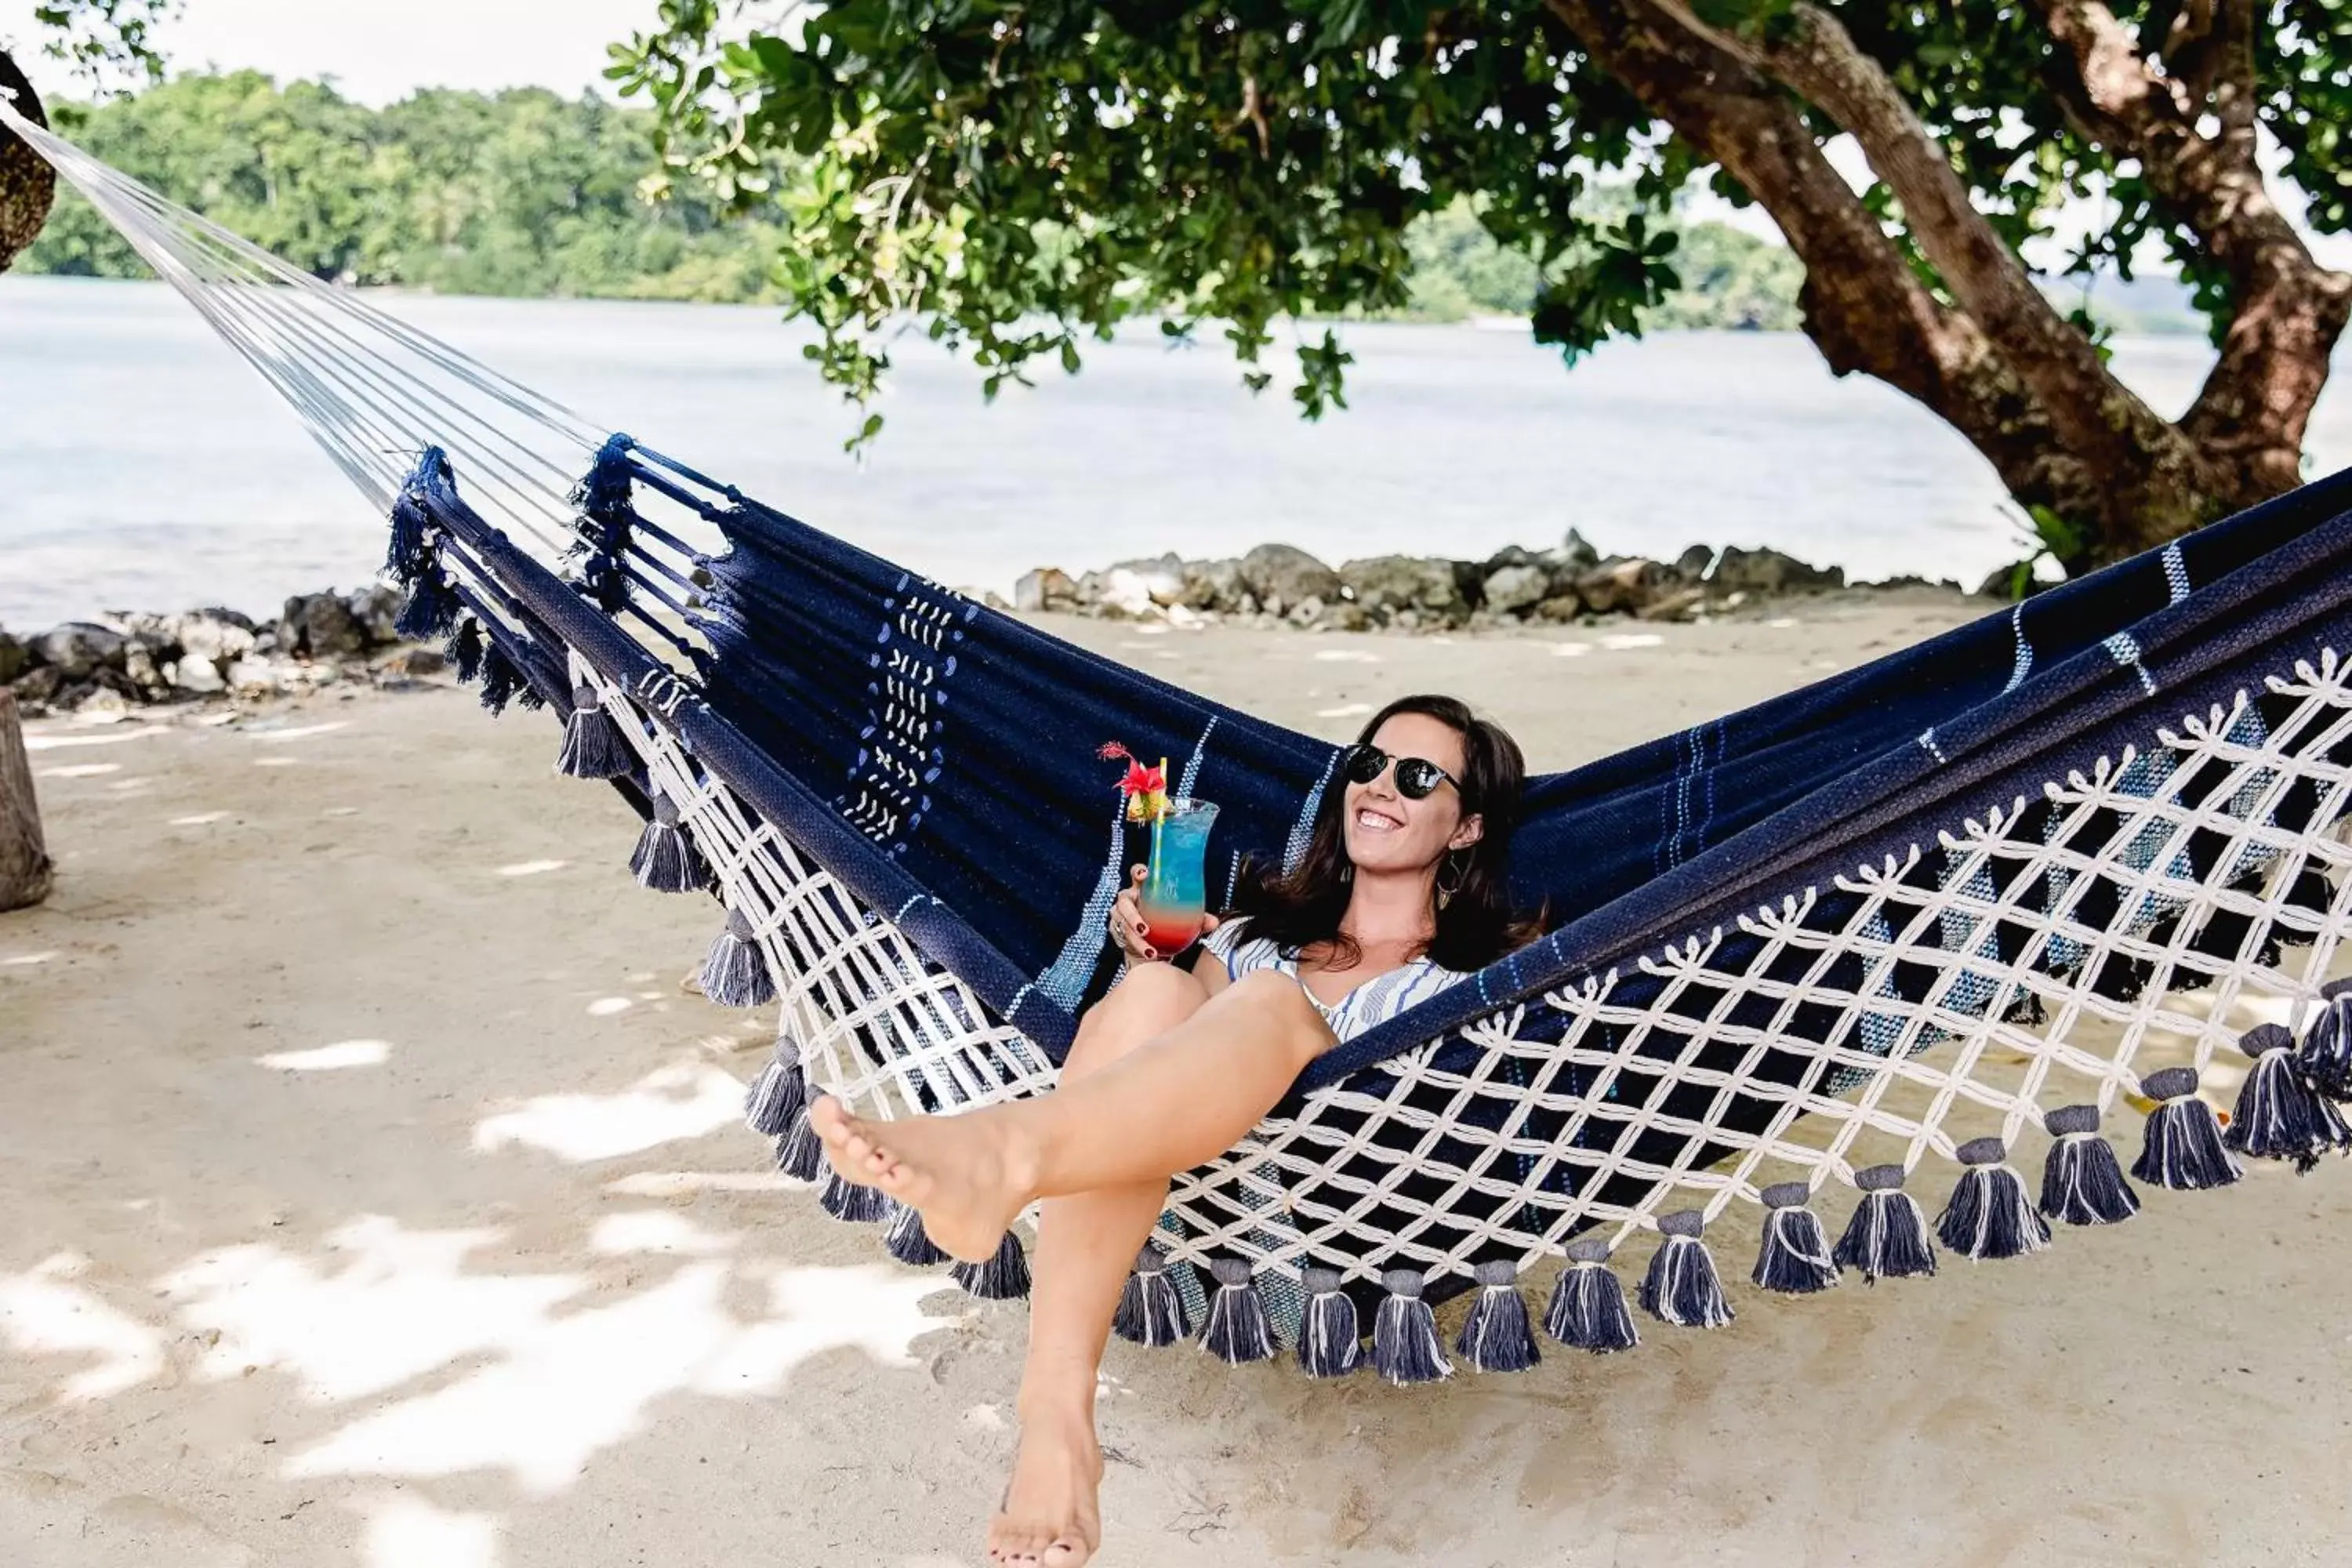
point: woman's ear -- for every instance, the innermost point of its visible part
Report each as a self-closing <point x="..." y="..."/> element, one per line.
<point x="1473" y="828"/>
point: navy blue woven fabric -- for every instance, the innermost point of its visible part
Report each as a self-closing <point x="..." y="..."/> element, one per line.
<point x="996" y="802"/>
<point x="940" y="757"/>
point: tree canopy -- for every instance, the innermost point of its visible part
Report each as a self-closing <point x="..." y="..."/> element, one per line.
<point x="1021" y="175"/>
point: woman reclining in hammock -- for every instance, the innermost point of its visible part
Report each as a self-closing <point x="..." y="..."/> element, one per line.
<point x="1401" y="893"/>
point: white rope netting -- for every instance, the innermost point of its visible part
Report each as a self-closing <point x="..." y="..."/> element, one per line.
<point x="1806" y="1062"/>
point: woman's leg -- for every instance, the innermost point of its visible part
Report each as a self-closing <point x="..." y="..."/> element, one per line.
<point x="1176" y="1103"/>
<point x="1087" y="1242"/>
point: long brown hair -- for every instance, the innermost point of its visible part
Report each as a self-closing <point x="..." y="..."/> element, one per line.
<point x="1475" y="926"/>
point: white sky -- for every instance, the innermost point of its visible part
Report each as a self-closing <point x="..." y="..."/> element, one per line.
<point x="379" y="50"/>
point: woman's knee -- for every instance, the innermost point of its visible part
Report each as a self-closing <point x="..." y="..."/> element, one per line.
<point x="1298" y="1025"/>
<point x="1152" y="999"/>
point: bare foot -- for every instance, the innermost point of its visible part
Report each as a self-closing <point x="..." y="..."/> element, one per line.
<point x="965" y="1174"/>
<point x="1050" y="1518"/>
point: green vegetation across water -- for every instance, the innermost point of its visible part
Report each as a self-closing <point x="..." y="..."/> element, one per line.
<point x="525" y="193"/>
<point x="519" y="195"/>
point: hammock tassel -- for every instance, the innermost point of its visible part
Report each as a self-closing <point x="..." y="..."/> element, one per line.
<point x="593" y="745"/>
<point x="500" y="680"/>
<point x="665" y="860"/>
<point x="845" y="1200"/>
<point x="1681" y="1286"/>
<point x="1331" y="1343"/>
<point x="778" y="1094"/>
<point x="1990" y="1214"/>
<point x="1406" y="1346"/>
<point x="410" y="550"/>
<point x="466" y="648"/>
<point x="1588" y="1309"/>
<point x="1496" y="1334"/>
<point x="1887" y="1236"/>
<point x="2082" y="1180"/>
<point x="2326" y="1054"/>
<point x="1795" y="1259"/>
<point x="2183" y="1150"/>
<point x="431" y="608"/>
<point x="1004" y="1278"/>
<point x="907" y="1241"/>
<point x="1237" y="1331"/>
<point x="800" y="1152"/>
<point x="2279" y="1116"/>
<point x="1150" y="1312"/>
<point x="734" y="975"/>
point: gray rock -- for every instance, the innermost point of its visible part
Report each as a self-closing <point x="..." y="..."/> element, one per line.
<point x="1213" y="586"/>
<point x="1126" y="595"/>
<point x="250" y="675"/>
<point x="377" y="610"/>
<point x="1518" y="587"/>
<point x="1621" y="586"/>
<point x="218" y="635"/>
<point x="1389" y="586"/>
<point x="1046" y="588"/>
<point x="13" y="658"/>
<point x="1771" y="571"/>
<point x="1162" y="576"/>
<point x="412" y="661"/>
<point x="140" y="667"/>
<point x="1560" y="607"/>
<point x="1572" y="555"/>
<point x="94" y="699"/>
<point x="1285" y="574"/>
<point x="1675" y="604"/>
<point x="195" y="674"/>
<point x="1305" y="613"/>
<point x="321" y="625"/>
<point x="39" y="684"/>
<point x="1691" y="565"/>
<point x="79" y="650"/>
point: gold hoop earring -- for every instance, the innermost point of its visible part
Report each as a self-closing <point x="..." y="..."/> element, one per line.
<point x="1461" y="875"/>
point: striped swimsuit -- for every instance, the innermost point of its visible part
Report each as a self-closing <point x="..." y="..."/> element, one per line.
<point x="1375" y="1001"/>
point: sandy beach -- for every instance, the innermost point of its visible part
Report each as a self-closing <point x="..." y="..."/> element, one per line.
<point x="376" y="1197"/>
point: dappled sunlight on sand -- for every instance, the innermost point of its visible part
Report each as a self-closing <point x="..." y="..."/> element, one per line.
<point x="442" y="1366"/>
<point x="409" y="1533"/>
<point x="395" y="1305"/>
<point x="44" y="1312"/>
<point x="328" y="1058"/>
<point x="583" y="1381"/>
<point x="687" y="1100"/>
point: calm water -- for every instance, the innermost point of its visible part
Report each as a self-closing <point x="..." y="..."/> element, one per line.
<point x="142" y="466"/>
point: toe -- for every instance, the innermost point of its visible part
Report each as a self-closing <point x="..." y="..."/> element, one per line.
<point x="1067" y="1551"/>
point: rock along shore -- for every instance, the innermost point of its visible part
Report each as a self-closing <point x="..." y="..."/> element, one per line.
<point x="120" y="660"/>
<point x="1570" y="582"/>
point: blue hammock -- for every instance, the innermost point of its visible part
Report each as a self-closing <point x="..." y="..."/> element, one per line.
<point x="1976" y="899"/>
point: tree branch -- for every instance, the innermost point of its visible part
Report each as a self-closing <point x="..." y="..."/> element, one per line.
<point x="2251" y="415"/>
<point x="2095" y="416"/>
<point x="1863" y="306"/>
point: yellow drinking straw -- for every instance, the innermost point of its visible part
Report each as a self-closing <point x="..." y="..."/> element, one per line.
<point x="1159" y="818"/>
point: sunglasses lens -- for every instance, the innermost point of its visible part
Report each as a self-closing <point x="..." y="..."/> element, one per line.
<point x="1417" y="778"/>
<point x="1365" y="763"/>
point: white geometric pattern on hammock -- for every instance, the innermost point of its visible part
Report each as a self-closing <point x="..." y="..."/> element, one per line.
<point x="894" y="1034"/>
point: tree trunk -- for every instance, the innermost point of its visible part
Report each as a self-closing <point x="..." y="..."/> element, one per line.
<point x="24" y="871"/>
<point x="28" y="186"/>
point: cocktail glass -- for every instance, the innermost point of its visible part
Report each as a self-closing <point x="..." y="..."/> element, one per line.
<point x="1174" y="901"/>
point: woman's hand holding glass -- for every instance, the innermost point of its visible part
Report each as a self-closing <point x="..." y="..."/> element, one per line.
<point x="1128" y="929"/>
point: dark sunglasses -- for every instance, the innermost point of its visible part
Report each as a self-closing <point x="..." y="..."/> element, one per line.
<point x="1416" y="777"/>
